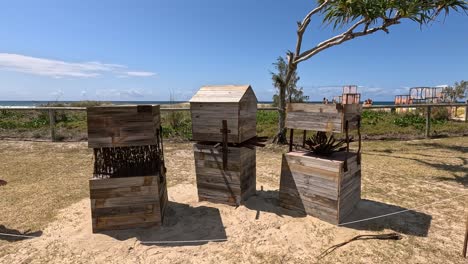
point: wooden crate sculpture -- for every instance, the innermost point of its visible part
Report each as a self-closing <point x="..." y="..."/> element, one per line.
<point x="128" y="188"/>
<point x="324" y="187"/>
<point x="223" y="122"/>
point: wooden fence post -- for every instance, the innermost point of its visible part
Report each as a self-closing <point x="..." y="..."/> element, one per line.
<point x="466" y="111"/>
<point x="428" y="121"/>
<point x="52" y="124"/>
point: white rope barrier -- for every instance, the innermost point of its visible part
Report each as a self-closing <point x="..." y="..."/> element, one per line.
<point x="402" y="211"/>
<point x="225" y="239"/>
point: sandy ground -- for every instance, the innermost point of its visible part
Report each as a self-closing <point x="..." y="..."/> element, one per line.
<point x="262" y="232"/>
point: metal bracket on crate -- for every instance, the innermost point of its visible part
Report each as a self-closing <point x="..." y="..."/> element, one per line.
<point x="225" y="149"/>
<point x="345" y="165"/>
<point x="291" y="138"/>
<point x="359" y="139"/>
<point x="161" y="151"/>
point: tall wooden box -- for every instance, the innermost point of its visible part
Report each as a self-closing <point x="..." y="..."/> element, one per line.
<point x="322" y="117"/>
<point x="123" y="125"/>
<point x="232" y="185"/>
<point x="320" y="186"/>
<point x="130" y="202"/>
<point x="213" y="104"/>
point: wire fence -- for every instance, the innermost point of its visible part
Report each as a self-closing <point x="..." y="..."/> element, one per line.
<point x="50" y="113"/>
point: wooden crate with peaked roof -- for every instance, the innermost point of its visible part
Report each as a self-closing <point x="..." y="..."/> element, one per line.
<point x="213" y="104"/>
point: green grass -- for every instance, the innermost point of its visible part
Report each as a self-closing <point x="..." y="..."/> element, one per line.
<point x="71" y="125"/>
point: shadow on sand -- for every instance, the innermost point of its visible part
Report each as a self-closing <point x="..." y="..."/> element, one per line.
<point x="268" y="201"/>
<point x="183" y="226"/>
<point x="407" y="222"/>
<point x="4" y="229"/>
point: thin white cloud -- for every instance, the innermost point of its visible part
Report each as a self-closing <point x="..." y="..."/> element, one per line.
<point x="140" y="73"/>
<point x="121" y="93"/>
<point x="60" y="69"/>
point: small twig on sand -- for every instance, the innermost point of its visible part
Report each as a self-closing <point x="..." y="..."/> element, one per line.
<point x="390" y="236"/>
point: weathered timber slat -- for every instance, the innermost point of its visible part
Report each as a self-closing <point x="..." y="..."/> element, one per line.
<point x="319" y="186"/>
<point x="124" y="192"/>
<point x="125" y="201"/>
<point x="123" y="182"/>
<point x="123" y="210"/>
<point x="122" y="221"/>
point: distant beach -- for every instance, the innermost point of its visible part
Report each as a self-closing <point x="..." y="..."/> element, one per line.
<point x="38" y="103"/>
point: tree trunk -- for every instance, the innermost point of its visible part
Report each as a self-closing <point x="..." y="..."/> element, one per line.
<point x="280" y="137"/>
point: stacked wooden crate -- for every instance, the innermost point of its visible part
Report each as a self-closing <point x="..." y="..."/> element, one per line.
<point x="224" y="174"/>
<point x="325" y="187"/>
<point x="128" y="188"/>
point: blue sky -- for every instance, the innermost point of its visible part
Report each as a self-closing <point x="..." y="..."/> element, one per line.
<point x="146" y="50"/>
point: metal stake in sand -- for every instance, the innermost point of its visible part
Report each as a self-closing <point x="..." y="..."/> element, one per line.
<point x="465" y="243"/>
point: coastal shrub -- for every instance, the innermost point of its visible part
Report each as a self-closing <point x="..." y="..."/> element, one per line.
<point x="267" y="123"/>
<point x="369" y="117"/>
<point x="440" y="113"/>
<point x="176" y="124"/>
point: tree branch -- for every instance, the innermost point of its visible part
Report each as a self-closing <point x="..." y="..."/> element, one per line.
<point x="347" y="35"/>
<point x="302" y="26"/>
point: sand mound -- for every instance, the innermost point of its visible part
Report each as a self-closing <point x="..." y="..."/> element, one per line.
<point x="260" y="231"/>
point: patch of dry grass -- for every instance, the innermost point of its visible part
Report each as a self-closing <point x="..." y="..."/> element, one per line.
<point x="46" y="177"/>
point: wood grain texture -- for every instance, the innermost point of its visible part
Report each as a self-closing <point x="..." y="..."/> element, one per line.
<point x="320" y="186"/>
<point x="121" y="203"/>
<point x="235" y="104"/>
<point x="123" y="126"/>
<point x="232" y="185"/>
<point x="220" y="94"/>
<point x="322" y="117"/>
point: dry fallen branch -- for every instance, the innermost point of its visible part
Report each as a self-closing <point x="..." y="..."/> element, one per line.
<point x="390" y="236"/>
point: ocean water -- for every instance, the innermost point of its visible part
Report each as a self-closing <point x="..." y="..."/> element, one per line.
<point x="39" y="103"/>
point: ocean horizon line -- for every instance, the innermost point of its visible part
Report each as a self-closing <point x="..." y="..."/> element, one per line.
<point x="29" y="103"/>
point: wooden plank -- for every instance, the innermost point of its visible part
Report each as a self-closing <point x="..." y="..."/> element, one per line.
<point x="125" y="220"/>
<point x="313" y="108"/>
<point x="124" y="210"/>
<point x="123" y="192"/>
<point x="125" y="201"/>
<point x="125" y="226"/>
<point x="230" y="166"/>
<point x="211" y="137"/>
<point x="123" y="182"/>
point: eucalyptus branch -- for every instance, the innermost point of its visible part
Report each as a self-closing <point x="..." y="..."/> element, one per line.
<point x="347" y="35"/>
<point x="302" y="26"/>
